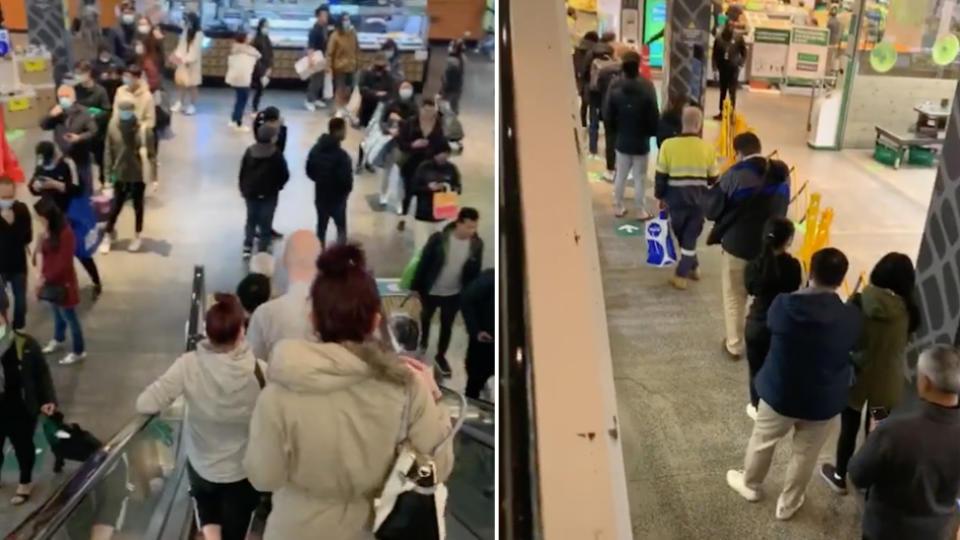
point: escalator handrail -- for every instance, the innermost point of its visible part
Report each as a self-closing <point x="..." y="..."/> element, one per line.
<point x="46" y="520"/>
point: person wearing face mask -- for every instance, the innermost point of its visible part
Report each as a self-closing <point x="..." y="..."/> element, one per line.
<point x="148" y="53"/>
<point x="398" y="109"/>
<point x="189" y="59"/>
<point x="342" y="51"/>
<point x="391" y="52"/>
<point x="74" y="130"/>
<point x="55" y="178"/>
<point x="136" y="91"/>
<point x="317" y="42"/>
<point x="264" y="67"/>
<point x="452" y="86"/>
<point x="434" y="175"/>
<point x="102" y="64"/>
<point x="376" y="86"/>
<point x="419" y="139"/>
<point x="121" y="38"/>
<point x="330" y="169"/>
<point x="127" y="152"/>
<point x="16" y="234"/>
<point x="263" y="173"/>
<point x="92" y="95"/>
<point x="26" y="390"/>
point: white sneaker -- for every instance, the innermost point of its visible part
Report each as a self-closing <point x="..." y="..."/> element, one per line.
<point x="383" y="200"/>
<point x="105" y="245"/>
<point x="190" y="110"/>
<point x="52" y="346"/>
<point x="135" y="244"/>
<point x="72" y="358"/>
<point x="784" y="513"/>
<point x="608" y="176"/>
<point x="175" y="108"/>
<point x="232" y="125"/>
<point x="243" y="129"/>
<point x="310" y="106"/>
<point x="154" y="187"/>
<point x="752" y="412"/>
<point x="735" y="481"/>
<point x="320" y="104"/>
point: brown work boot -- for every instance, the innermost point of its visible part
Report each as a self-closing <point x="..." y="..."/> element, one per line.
<point x="678" y="283"/>
<point x="695" y="274"/>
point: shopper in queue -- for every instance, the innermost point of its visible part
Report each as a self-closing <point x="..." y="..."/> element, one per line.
<point x="74" y="131"/>
<point x="391" y="52"/>
<point x="890" y="316"/>
<point x="729" y="56"/>
<point x="399" y="109"/>
<point x="343" y="51"/>
<point x="631" y="111"/>
<point x="449" y="261"/>
<point x="581" y="70"/>
<point x="120" y="38"/>
<point x="16" y="235"/>
<point x="55" y="178"/>
<point x="287" y="316"/>
<point x="608" y="71"/>
<point x="452" y="83"/>
<point x="317" y="42"/>
<point x="92" y="95"/>
<point x="376" y="86"/>
<point x="264" y="68"/>
<point x="57" y="283"/>
<point x="803" y="384"/>
<point x="220" y="382"/>
<point x="240" y="67"/>
<point x="773" y="273"/>
<point x="324" y="432"/>
<point x="750" y="193"/>
<point x="686" y="167"/>
<point x="330" y="170"/>
<point x="600" y="63"/>
<point x="909" y="465"/>
<point x="479" y="305"/>
<point x="433" y="176"/>
<point x="419" y="139"/>
<point x="263" y="173"/>
<point x="188" y="57"/>
<point x="129" y="150"/>
<point x="26" y="391"/>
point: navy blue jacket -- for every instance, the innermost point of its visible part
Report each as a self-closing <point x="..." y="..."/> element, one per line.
<point x="807" y="374"/>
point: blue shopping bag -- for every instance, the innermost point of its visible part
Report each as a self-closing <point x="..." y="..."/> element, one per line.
<point x="83" y="221"/>
<point x="660" y="249"/>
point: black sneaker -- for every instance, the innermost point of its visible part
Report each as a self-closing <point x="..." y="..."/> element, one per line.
<point x="276" y="235"/>
<point x="97" y="290"/>
<point x="829" y="474"/>
<point x="444" y="366"/>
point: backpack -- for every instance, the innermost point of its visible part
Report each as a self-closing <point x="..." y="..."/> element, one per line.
<point x="598" y="66"/>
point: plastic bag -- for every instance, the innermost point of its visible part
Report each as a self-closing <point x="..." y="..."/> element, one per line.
<point x="661" y="251"/>
<point x="409" y="272"/>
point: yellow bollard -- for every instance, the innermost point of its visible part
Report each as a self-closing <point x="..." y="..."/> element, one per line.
<point x="813" y="213"/>
<point x="822" y="238"/>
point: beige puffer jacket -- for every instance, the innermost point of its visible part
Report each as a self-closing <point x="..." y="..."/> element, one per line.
<point x="143" y="103"/>
<point x="323" y="436"/>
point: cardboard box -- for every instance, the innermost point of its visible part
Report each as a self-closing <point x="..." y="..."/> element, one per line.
<point x="35" y="69"/>
<point x="20" y="110"/>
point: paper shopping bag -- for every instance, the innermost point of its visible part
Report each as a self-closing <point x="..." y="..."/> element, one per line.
<point x="660" y="249"/>
<point x="446" y="204"/>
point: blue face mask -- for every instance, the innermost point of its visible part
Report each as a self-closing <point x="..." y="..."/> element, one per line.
<point x="125" y="115"/>
<point x="6" y="204"/>
<point x="65" y="102"/>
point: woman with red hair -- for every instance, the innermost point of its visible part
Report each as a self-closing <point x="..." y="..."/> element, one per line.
<point x="325" y="430"/>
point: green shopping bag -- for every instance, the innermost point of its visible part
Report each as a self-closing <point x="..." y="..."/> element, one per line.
<point x="409" y="272"/>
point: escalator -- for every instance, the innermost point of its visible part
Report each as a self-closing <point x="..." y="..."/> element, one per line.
<point x="135" y="486"/>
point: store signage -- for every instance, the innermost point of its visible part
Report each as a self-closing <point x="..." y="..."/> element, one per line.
<point x="33" y="65"/>
<point x="770" y="48"/>
<point x="18" y="104"/>
<point x="627" y="230"/>
<point x="807" y="56"/>
<point x="654" y="21"/>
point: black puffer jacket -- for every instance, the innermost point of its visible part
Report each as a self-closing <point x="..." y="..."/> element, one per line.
<point x="434" y="255"/>
<point x="632" y="113"/>
<point x="431" y="171"/>
<point x="263" y="171"/>
<point x="29" y="369"/>
<point x="328" y="165"/>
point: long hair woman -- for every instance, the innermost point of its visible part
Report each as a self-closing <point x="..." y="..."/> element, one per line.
<point x="774" y="272"/>
<point x="890" y="315"/>
<point x="189" y="59"/>
<point x="324" y="433"/>
<point x="58" y="281"/>
<point x="264" y="68"/>
<point x="220" y="382"/>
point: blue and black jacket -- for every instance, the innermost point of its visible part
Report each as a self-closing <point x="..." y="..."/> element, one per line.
<point x="740" y="184"/>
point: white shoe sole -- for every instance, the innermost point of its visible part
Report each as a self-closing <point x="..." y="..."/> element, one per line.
<point x="735" y="481"/>
<point x="784" y="515"/>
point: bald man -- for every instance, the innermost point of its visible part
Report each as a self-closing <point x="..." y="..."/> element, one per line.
<point x="288" y="316"/>
<point x="74" y="130"/>
<point x="686" y="168"/>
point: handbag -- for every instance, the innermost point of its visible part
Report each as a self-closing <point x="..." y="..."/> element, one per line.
<point x="413" y="502"/>
<point x="446" y="204"/>
<point x="49" y="292"/>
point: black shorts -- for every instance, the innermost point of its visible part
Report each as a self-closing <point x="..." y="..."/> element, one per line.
<point x="229" y="505"/>
<point x="343" y="81"/>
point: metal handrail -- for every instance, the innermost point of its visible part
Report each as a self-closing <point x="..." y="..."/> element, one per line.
<point x="46" y="520"/>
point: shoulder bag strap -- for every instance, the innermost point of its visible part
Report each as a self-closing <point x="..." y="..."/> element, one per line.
<point x="258" y="373"/>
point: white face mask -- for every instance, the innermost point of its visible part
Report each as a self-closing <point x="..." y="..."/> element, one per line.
<point x="406" y="93"/>
<point x="128" y="18"/>
<point x="143" y="29"/>
<point x="347" y="25"/>
<point x="138" y="48"/>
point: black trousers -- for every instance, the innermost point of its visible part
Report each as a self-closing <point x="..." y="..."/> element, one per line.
<point x="228" y="505"/>
<point x="337" y="211"/>
<point x="610" y="147"/>
<point x="18" y="425"/>
<point x="480" y="359"/>
<point x="128" y="190"/>
<point x="448" y="306"/>
<point x="757" y="337"/>
<point x="728" y="84"/>
<point x="90" y="266"/>
<point x="847" y="441"/>
<point x="257" y="87"/>
<point x="584" y="104"/>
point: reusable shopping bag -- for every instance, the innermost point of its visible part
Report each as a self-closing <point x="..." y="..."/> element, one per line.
<point x="446" y="204"/>
<point x="660" y="249"/>
<point x="83" y="221"/>
<point x="409" y="272"/>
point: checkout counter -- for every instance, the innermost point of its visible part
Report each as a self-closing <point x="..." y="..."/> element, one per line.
<point x="403" y="21"/>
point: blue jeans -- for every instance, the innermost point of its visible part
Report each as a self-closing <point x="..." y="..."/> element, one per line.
<point x="62" y="317"/>
<point x="260" y="222"/>
<point x="239" y="105"/>
<point x="18" y="283"/>
<point x="594" y="128"/>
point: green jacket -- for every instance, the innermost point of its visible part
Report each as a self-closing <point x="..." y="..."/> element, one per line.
<point x="879" y="354"/>
<point x="127" y="152"/>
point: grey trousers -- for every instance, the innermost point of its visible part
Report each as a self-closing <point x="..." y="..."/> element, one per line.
<point x="625" y="164"/>
<point x="315" y="86"/>
<point x="808" y="438"/>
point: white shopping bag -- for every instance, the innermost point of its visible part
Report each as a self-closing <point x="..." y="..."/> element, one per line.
<point x="395" y="186"/>
<point x="305" y="69"/>
<point x="328" y="86"/>
<point x="660" y="249"/>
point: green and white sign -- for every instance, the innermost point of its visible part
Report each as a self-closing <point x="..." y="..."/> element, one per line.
<point x="807" y="57"/>
<point x="770" y="47"/>
<point x="627" y="229"/>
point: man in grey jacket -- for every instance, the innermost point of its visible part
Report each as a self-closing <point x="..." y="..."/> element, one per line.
<point x="288" y="316"/>
<point x="910" y="465"/>
<point x="74" y="130"/>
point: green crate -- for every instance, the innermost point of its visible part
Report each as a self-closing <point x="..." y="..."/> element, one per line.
<point x="920" y="155"/>
<point x="888" y="156"/>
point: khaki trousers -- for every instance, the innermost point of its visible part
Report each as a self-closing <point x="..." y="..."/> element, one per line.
<point x="734" y="301"/>
<point x="808" y="438"/>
